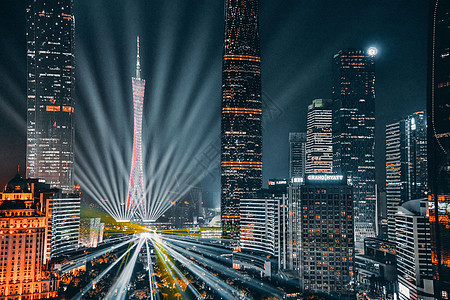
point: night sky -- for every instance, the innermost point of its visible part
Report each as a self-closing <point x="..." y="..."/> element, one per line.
<point x="181" y="49"/>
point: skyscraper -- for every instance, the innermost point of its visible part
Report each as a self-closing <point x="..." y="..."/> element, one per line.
<point x="319" y="137"/>
<point x="326" y="236"/>
<point x="414" y="269"/>
<point x="50" y="90"/>
<point x="266" y="227"/>
<point x="438" y="111"/>
<point x="406" y="164"/>
<point x="353" y="94"/>
<point x="241" y="133"/>
<point x="418" y="155"/>
<point x="136" y="201"/>
<point x="396" y="170"/>
<point x="297" y="154"/>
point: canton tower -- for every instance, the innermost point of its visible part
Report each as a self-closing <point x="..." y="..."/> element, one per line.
<point x="136" y="201"/>
<point x="241" y="132"/>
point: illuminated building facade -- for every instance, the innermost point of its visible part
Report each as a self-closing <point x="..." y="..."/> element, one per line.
<point x="438" y="110"/>
<point x="258" y="225"/>
<point x="262" y="220"/>
<point x="65" y="223"/>
<point x="353" y="93"/>
<point x="319" y="137"/>
<point x="297" y="154"/>
<point x="50" y="92"/>
<point x="414" y="268"/>
<point x="326" y="235"/>
<point x="241" y="132"/>
<point x="25" y="226"/>
<point x="136" y="201"/>
<point x="406" y="164"/>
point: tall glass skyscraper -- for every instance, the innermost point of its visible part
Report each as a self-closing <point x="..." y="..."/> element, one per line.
<point x="241" y="133"/>
<point x="50" y="90"/>
<point x="319" y="137"/>
<point x="353" y="94"/>
<point x="297" y="154"/>
<point x="438" y="110"/>
<point x="406" y="164"/>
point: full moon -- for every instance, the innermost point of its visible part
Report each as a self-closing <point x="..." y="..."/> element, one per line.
<point x="372" y="51"/>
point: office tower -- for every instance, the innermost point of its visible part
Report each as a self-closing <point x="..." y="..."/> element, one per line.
<point x="319" y="137"/>
<point x="65" y="224"/>
<point x="396" y="170"/>
<point x="241" y="135"/>
<point x="326" y="234"/>
<point x="25" y="215"/>
<point x="136" y="202"/>
<point x="418" y="183"/>
<point x="265" y="227"/>
<point x="414" y="268"/>
<point x="297" y="154"/>
<point x="438" y="111"/>
<point x="376" y="272"/>
<point x="50" y="92"/>
<point x="258" y="230"/>
<point x="406" y="164"/>
<point x="353" y="94"/>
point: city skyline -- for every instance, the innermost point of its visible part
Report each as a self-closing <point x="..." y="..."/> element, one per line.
<point x="288" y="104"/>
<point x="362" y="215"/>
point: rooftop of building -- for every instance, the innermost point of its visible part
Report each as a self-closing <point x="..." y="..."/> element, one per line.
<point x="17" y="185"/>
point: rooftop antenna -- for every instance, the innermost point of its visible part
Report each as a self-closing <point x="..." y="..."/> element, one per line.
<point x="138" y="63"/>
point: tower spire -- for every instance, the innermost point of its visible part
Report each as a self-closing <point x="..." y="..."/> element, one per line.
<point x="138" y="62"/>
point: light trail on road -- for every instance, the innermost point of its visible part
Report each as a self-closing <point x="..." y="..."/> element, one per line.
<point x="99" y="277"/>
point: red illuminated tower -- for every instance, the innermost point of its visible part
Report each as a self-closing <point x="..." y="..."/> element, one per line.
<point x="136" y="202"/>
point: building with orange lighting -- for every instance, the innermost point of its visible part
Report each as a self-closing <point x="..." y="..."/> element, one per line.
<point x="241" y="133"/>
<point x="438" y="112"/>
<point x="325" y="235"/>
<point x="25" y="238"/>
